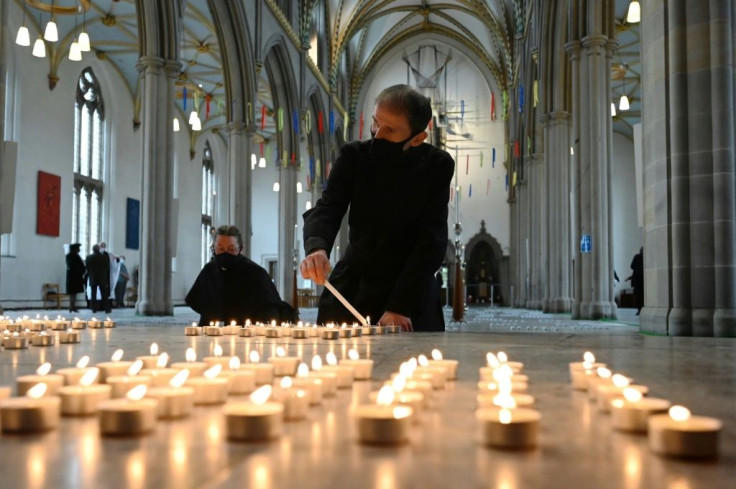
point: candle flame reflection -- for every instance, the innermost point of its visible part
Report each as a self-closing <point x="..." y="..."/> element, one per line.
<point x="316" y="363"/>
<point x="117" y="356"/>
<point x="261" y="395"/>
<point x="179" y="379"/>
<point x="353" y="354"/>
<point x="136" y="393"/>
<point x="89" y="376"/>
<point x="190" y="355"/>
<point x="502" y="357"/>
<point x="44" y="369"/>
<point x="280" y="352"/>
<point x="213" y="371"/>
<point x="436" y="354"/>
<point x="254" y="357"/>
<point x="679" y="413"/>
<point x="504" y="416"/>
<point x="331" y="358"/>
<point x="154" y="349"/>
<point x="303" y="370"/>
<point x="37" y="391"/>
<point x="83" y="362"/>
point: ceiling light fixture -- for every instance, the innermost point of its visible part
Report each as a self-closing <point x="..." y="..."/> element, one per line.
<point x="634" y="14"/>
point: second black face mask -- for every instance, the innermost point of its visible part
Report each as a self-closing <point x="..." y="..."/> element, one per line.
<point x="383" y="150"/>
<point x="226" y="260"/>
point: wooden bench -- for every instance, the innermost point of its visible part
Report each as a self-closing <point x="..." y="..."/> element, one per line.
<point x="51" y="296"/>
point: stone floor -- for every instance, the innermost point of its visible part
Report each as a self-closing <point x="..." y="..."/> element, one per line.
<point x="577" y="444"/>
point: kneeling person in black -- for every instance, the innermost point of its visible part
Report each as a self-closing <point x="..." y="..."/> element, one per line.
<point x="233" y="288"/>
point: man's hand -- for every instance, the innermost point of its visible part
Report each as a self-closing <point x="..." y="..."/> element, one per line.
<point x="316" y="266"/>
<point x="391" y="318"/>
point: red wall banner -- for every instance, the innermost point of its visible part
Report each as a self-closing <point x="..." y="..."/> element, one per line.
<point x="49" y="204"/>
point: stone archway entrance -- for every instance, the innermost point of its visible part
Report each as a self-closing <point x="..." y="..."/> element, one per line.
<point x="486" y="271"/>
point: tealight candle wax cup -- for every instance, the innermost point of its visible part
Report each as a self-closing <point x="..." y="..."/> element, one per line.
<point x="509" y="428"/>
<point x="246" y="421"/>
<point x="383" y="424"/>
<point x="25" y="414"/>
<point x="690" y="437"/>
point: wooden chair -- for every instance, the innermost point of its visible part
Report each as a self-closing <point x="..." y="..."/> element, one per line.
<point x="52" y="296"/>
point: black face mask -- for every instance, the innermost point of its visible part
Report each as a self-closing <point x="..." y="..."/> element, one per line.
<point x="383" y="150"/>
<point x="226" y="261"/>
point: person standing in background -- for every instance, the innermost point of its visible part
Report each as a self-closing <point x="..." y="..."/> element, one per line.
<point x="98" y="273"/>
<point x="637" y="279"/>
<point x="75" y="270"/>
<point x="122" y="283"/>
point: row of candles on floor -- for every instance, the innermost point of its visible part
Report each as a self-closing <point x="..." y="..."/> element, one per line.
<point x="300" y="330"/>
<point x="672" y="430"/>
<point x="23" y="332"/>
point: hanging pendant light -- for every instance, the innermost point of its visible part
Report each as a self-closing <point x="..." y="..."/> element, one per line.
<point x="623" y="103"/>
<point x="276" y="186"/>
<point x="39" y="48"/>
<point x="193" y="116"/>
<point x="613" y="109"/>
<point x="262" y="162"/>
<point x="176" y="125"/>
<point x="634" y="14"/>
<point x="51" y="34"/>
<point x="23" y="38"/>
<point x="196" y="123"/>
<point x="83" y="36"/>
<point x="253" y="160"/>
<point x="75" y="54"/>
<point x="298" y="187"/>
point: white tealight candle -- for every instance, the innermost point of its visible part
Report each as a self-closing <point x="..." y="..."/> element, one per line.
<point x="580" y="371"/>
<point x="43" y="339"/>
<point x="449" y="365"/>
<point x="116" y="366"/>
<point x="60" y="325"/>
<point x="383" y="423"/>
<point x="437" y="375"/>
<point x="295" y="401"/>
<point x="312" y="386"/>
<point x="362" y="367"/>
<point x="232" y="329"/>
<point x="329" y="379"/>
<point x="175" y="400"/>
<point x="209" y="389"/>
<point x="330" y="332"/>
<point x="632" y="412"/>
<point x="109" y="323"/>
<point x="344" y="372"/>
<point x="72" y="375"/>
<point x="217" y="358"/>
<point x="30" y="413"/>
<point x="679" y="434"/>
<point x="79" y="323"/>
<point x="255" y="420"/>
<point x="69" y="336"/>
<point x="82" y="399"/>
<point x="239" y="381"/>
<point x="193" y="330"/>
<point x="213" y="330"/>
<point x="413" y="399"/>
<point x="131" y="415"/>
<point x="196" y="369"/>
<point x="52" y="381"/>
<point x="16" y="341"/>
<point x="283" y="364"/>
<point x="509" y="428"/>
<point x="607" y="393"/>
<point x="122" y="384"/>
<point x="160" y="375"/>
<point x="263" y="371"/>
<point x="94" y="323"/>
<point x="149" y="361"/>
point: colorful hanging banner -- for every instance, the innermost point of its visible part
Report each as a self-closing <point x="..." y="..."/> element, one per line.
<point x="318" y="168"/>
<point x="462" y="110"/>
<point x="505" y="104"/>
<point x="295" y="121"/>
<point x="517" y="149"/>
<point x="308" y="122"/>
<point x="470" y="190"/>
<point x="535" y="89"/>
<point x="481" y="159"/>
<point x="207" y="106"/>
<point x="467" y="164"/>
<point x="285" y="158"/>
<point x="507" y="181"/>
<point x="493" y="106"/>
<point x="332" y="122"/>
<point x="320" y="123"/>
<point x="184" y="97"/>
<point x="263" y="117"/>
<point x="281" y="119"/>
<point x="360" y="132"/>
<point x="493" y="158"/>
<point x="268" y="153"/>
<point x="514" y="181"/>
<point x="521" y="98"/>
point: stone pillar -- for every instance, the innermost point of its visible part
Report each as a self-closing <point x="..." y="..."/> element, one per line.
<point x="594" y="270"/>
<point x="240" y="181"/>
<point x="557" y="154"/>
<point x="287" y="233"/>
<point x="689" y="145"/>
<point x="4" y="45"/>
<point x="157" y="88"/>
<point x="523" y="225"/>
<point x="537" y="226"/>
<point x="573" y="50"/>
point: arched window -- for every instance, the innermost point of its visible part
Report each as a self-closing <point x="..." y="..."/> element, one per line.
<point x="89" y="163"/>
<point x="208" y="202"/>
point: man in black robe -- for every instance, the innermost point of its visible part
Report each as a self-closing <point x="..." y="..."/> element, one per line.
<point x="397" y="188"/>
<point x="233" y="288"/>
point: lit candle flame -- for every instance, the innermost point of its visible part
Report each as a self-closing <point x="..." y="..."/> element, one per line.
<point x="135" y="367"/>
<point x="273" y="323"/>
<point x="217" y="350"/>
<point x="117" y="356"/>
<point x="385" y="396"/>
<point x="406" y="369"/>
<point x="423" y="361"/>
<point x="303" y="370"/>
<point x="162" y="360"/>
<point x="191" y="355"/>
<point x="83" y="362"/>
<point x="399" y="383"/>
<point x="286" y="382"/>
<point x="280" y="352"/>
<point x="233" y="323"/>
<point x="401" y="412"/>
<point x="316" y="363"/>
<point x="344" y="325"/>
<point x="502" y="357"/>
<point x="502" y="372"/>
<point x="213" y="371"/>
<point x="504" y="416"/>
<point x="300" y="324"/>
<point x="353" y="354"/>
<point x="588" y="357"/>
<point x="37" y="391"/>
<point x="254" y="357"/>
<point x="603" y="373"/>
<point x="247" y="322"/>
<point x="620" y="381"/>
<point x="632" y="395"/>
<point x="154" y="349"/>
<point x="492" y="360"/>
<point x="679" y="413"/>
<point x="136" y="393"/>
<point x="179" y="379"/>
<point x="261" y="395"/>
<point x="44" y="369"/>
<point x="504" y="385"/>
<point x="436" y="354"/>
<point x="194" y="323"/>
<point x="89" y="376"/>
<point x="368" y="320"/>
<point x="234" y="363"/>
<point x="331" y="358"/>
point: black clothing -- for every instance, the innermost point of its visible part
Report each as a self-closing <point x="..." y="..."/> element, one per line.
<point x="98" y="274"/>
<point x="637" y="279"/>
<point x="74" y="273"/>
<point x="242" y="291"/>
<point x="398" y="232"/>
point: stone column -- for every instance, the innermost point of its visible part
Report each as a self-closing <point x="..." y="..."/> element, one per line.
<point x="573" y="50"/>
<point x="522" y="220"/>
<point x="537" y="226"/>
<point x="557" y="154"/>
<point x="4" y="45"/>
<point x="239" y="181"/>
<point x="594" y="270"/>
<point x="287" y="219"/>
<point x="689" y="145"/>
<point x="157" y="88"/>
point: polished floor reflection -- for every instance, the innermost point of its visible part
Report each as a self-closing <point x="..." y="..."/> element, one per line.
<point x="577" y="448"/>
